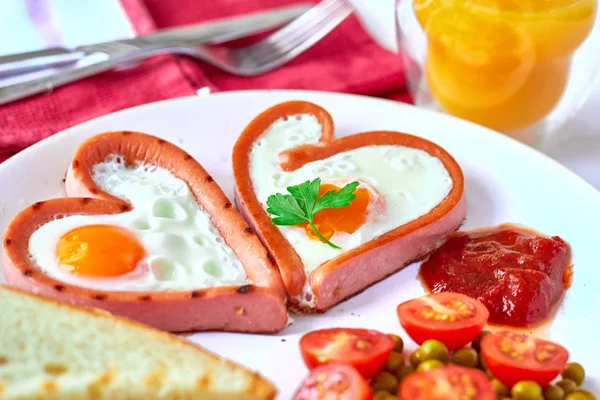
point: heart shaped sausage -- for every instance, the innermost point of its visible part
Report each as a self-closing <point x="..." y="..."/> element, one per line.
<point x="107" y="258"/>
<point x="410" y="196"/>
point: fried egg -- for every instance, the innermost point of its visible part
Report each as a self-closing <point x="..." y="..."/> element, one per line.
<point x="398" y="184"/>
<point x="166" y="242"/>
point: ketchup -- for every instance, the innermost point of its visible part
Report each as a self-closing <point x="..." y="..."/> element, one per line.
<point x="517" y="274"/>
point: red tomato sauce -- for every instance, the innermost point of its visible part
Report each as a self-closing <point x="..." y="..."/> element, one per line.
<point x="519" y="275"/>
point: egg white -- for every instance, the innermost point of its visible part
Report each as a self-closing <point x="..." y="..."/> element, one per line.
<point x="410" y="181"/>
<point x="184" y="249"/>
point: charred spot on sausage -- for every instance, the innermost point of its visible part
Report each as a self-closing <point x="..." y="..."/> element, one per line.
<point x="228" y="205"/>
<point x="94" y="191"/>
<point x="161" y="141"/>
<point x="145" y="298"/>
<point x="85" y="200"/>
<point x="125" y="207"/>
<point x="271" y="258"/>
<point x="37" y="206"/>
<point x="100" y="297"/>
<point x="7" y="241"/>
<point x="209" y="179"/>
<point x="59" y="288"/>
<point x="126" y="133"/>
<point x="28" y="272"/>
<point x="195" y="294"/>
<point x="248" y="230"/>
<point x="75" y="164"/>
<point x="244" y="289"/>
<point x="187" y="157"/>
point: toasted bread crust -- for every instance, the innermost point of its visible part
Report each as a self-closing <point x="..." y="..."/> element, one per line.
<point x="258" y="387"/>
<point x="174" y="310"/>
<point x="449" y="213"/>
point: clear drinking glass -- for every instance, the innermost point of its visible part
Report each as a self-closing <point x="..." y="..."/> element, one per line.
<point x="520" y="67"/>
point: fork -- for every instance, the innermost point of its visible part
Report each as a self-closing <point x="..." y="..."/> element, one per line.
<point x="266" y="55"/>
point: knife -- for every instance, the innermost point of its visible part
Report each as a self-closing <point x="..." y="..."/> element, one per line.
<point x="213" y="32"/>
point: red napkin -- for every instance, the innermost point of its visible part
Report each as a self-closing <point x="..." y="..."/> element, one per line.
<point x="347" y="60"/>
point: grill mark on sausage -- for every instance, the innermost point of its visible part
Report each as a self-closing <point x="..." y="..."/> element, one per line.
<point x="244" y="289"/>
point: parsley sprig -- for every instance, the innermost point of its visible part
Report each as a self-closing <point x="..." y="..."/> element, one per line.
<point x="304" y="202"/>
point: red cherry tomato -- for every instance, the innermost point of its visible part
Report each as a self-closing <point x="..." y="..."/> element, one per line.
<point x="452" y="318"/>
<point x="450" y="382"/>
<point x="364" y="349"/>
<point x="334" y="381"/>
<point x="513" y="357"/>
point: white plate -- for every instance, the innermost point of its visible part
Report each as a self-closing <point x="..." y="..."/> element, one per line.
<point x="505" y="182"/>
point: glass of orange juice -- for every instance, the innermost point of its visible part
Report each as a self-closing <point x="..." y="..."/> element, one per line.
<point x="511" y="65"/>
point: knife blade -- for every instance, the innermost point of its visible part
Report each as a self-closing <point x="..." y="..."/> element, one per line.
<point x="219" y="31"/>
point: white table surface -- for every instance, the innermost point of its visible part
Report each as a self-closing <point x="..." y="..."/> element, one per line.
<point x="70" y="23"/>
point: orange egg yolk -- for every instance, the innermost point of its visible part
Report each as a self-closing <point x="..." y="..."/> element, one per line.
<point x="346" y="219"/>
<point x="99" y="251"/>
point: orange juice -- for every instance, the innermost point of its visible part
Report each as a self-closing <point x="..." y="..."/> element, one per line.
<point x="501" y="63"/>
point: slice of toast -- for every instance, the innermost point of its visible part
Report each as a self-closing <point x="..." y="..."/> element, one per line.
<point x="51" y="350"/>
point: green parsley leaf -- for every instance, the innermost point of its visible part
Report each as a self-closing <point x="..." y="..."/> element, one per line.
<point x="336" y="199"/>
<point x="304" y="202"/>
<point x="286" y="208"/>
<point x="306" y="194"/>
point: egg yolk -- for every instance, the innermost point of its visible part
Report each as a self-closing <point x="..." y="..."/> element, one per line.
<point x="99" y="251"/>
<point x="346" y="219"/>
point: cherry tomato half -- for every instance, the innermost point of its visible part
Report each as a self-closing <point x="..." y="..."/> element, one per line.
<point x="513" y="357"/>
<point x="450" y="382"/>
<point x="452" y="318"/>
<point x="333" y="381"/>
<point x="364" y="349"/>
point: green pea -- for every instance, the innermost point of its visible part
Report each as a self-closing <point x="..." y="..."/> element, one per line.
<point x="567" y="385"/>
<point x="526" y="390"/>
<point x="429" y="365"/>
<point x="577" y="396"/>
<point x="398" y="343"/>
<point x="589" y="394"/>
<point x="575" y="372"/>
<point x="404" y="371"/>
<point x="385" y="381"/>
<point x="380" y="395"/>
<point x="434" y="350"/>
<point x="466" y="357"/>
<point x="482" y="365"/>
<point x="553" y="392"/>
<point x="415" y="358"/>
<point x="394" y="361"/>
<point x="500" y="389"/>
<point x="476" y="343"/>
